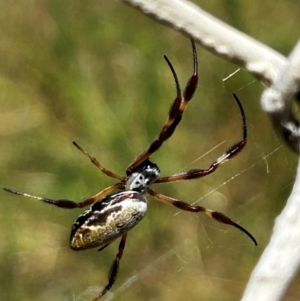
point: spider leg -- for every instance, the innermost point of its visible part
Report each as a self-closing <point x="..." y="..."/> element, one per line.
<point x="229" y="153"/>
<point x="175" y="113"/>
<point x="67" y="204"/>
<point x="220" y="217"/>
<point x="114" y="269"/>
<point x="97" y="163"/>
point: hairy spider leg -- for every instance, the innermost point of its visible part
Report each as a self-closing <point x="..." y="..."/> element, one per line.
<point x="97" y="163"/>
<point x="229" y="153"/>
<point x="175" y="113"/>
<point x="67" y="204"/>
<point x="220" y="217"/>
<point x="114" y="269"/>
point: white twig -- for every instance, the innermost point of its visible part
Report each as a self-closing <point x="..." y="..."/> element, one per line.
<point x="280" y="260"/>
<point x="215" y="35"/>
<point x="278" y="99"/>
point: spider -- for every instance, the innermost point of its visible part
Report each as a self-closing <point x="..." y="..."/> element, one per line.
<point x="113" y="215"/>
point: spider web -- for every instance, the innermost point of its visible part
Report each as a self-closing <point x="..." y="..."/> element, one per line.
<point x="73" y="75"/>
<point x="182" y="254"/>
<point x="259" y="161"/>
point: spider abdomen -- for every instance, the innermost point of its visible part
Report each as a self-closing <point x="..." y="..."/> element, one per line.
<point x="108" y="219"/>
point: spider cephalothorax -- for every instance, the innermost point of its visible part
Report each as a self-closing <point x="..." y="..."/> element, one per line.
<point x="112" y="216"/>
<point x="142" y="177"/>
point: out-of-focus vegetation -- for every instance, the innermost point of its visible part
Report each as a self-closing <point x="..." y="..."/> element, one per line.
<point x="92" y="71"/>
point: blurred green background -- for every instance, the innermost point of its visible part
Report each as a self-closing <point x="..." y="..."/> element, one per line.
<point x="92" y="71"/>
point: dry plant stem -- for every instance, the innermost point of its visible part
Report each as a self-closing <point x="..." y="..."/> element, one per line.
<point x="216" y="36"/>
<point x="280" y="260"/>
<point x="278" y="99"/>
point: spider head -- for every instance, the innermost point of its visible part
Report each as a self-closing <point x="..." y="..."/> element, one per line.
<point x="142" y="177"/>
